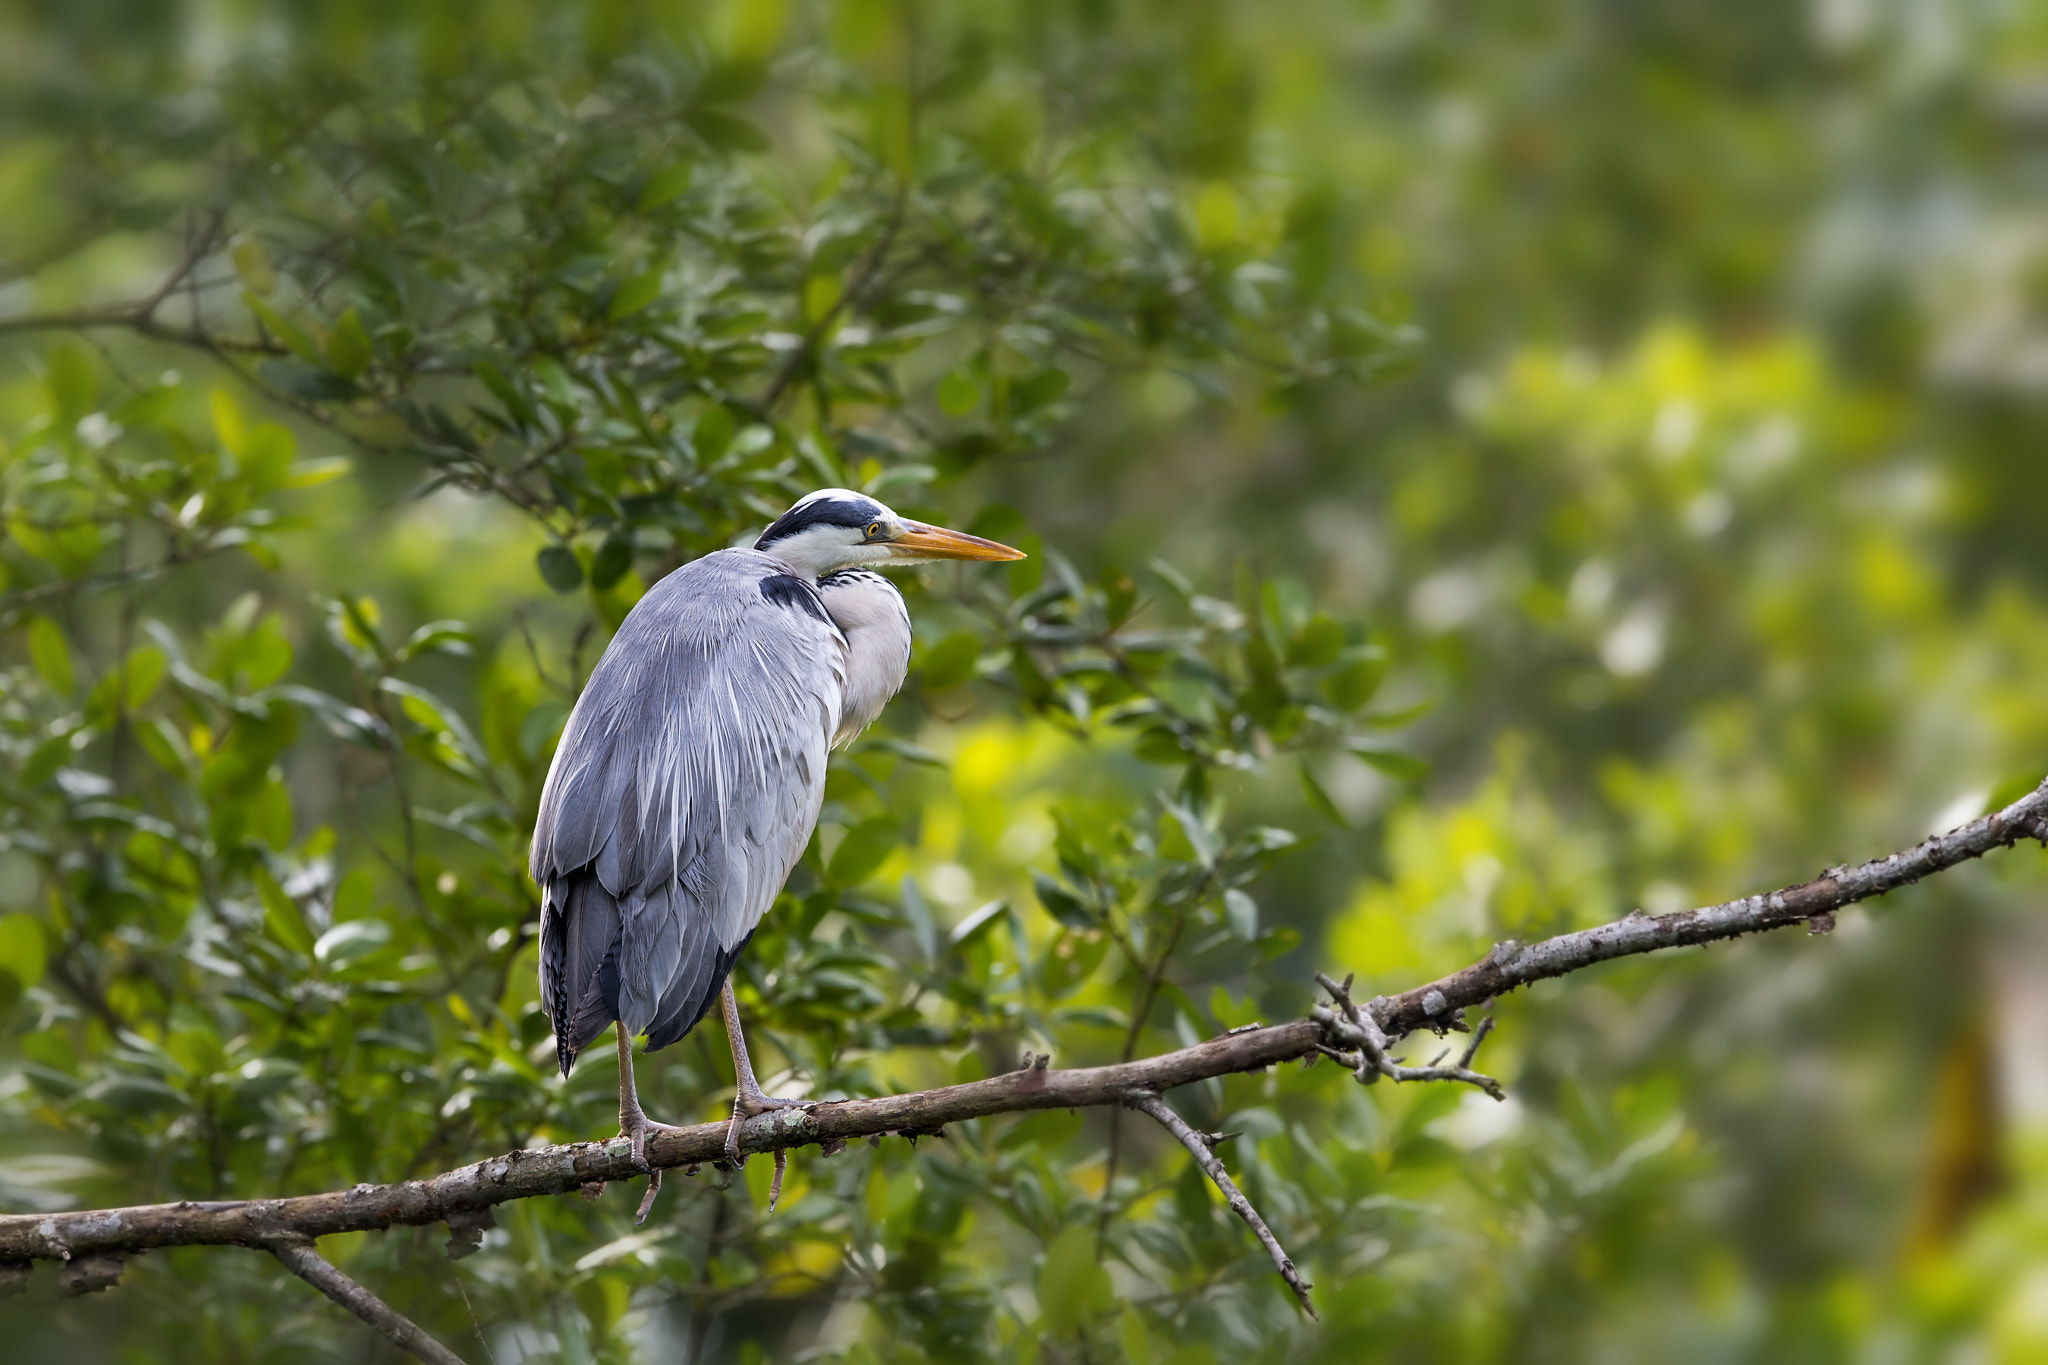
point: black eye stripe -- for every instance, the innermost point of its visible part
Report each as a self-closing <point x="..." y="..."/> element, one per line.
<point x="853" y="514"/>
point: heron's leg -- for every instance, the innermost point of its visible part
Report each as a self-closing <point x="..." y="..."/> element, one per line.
<point x="634" y="1124"/>
<point x="748" y="1100"/>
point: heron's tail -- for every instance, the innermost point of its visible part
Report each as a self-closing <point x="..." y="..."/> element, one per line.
<point x="579" y="961"/>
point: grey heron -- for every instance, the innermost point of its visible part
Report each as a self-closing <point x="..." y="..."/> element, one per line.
<point x="692" y="770"/>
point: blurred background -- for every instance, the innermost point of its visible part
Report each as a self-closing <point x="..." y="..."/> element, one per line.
<point x="1652" y="393"/>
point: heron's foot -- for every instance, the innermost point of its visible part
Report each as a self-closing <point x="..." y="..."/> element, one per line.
<point x="747" y="1103"/>
<point x="636" y="1127"/>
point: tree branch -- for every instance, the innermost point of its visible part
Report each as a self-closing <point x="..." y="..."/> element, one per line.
<point x="1511" y="964"/>
<point x="1203" y="1151"/>
<point x="302" y="1260"/>
<point x="464" y="1197"/>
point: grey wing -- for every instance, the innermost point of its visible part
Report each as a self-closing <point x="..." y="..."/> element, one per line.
<point x="687" y="783"/>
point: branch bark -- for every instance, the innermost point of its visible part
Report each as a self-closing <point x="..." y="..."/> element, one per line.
<point x="302" y="1260"/>
<point x="1204" y="1152"/>
<point x="463" y="1197"/>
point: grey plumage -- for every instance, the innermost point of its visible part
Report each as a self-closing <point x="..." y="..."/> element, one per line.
<point x="688" y="781"/>
<point x="691" y="772"/>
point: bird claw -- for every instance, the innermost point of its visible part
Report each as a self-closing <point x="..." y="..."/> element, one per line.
<point x="647" y="1199"/>
<point x="746" y="1106"/>
<point x="635" y="1128"/>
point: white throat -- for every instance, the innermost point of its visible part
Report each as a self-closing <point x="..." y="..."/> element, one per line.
<point x="871" y="615"/>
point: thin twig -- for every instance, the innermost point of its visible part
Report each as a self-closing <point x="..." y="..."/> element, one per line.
<point x="300" y="1257"/>
<point x="1202" y="1150"/>
<point x="1369" y="1061"/>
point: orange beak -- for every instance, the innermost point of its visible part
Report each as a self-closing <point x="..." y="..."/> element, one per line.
<point x="921" y="542"/>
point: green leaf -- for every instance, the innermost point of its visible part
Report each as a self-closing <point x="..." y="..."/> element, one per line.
<point x="634" y="295"/>
<point x="1241" y="912"/>
<point x="1157" y="744"/>
<point x="265" y="1076"/>
<point x="726" y="132"/>
<point x="862" y="852"/>
<point x="1062" y="904"/>
<point x="281" y="914"/>
<point x="612" y="560"/>
<point x="351" y="941"/>
<point x="951" y="661"/>
<point x="267" y="457"/>
<point x="444" y="637"/>
<point x="1403" y="767"/>
<point x="1072" y="1285"/>
<point x="1317" y="645"/>
<point x="314" y="384"/>
<point x="23" y="949"/>
<point x="541" y="725"/>
<point x="1320" y="798"/>
<point x="137" y="1095"/>
<point x="69" y="548"/>
<point x="74" y="383"/>
<point x="1039" y="389"/>
<point x="144" y="670"/>
<point x="1119" y="595"/>
<point x="1354" y="685"/>
<point x="44" y="761"/>
<point x="560" y="568"/>
<point x="313" y="473"/>
<point x="50" y="655"/>
<point x="348" y="346"/>
<point x="959" y="394"/>
<point x="228" y="427"/>
<point x="664" y="187"/>
<point x="252" y="264"/>
<point x="296" y="341"/>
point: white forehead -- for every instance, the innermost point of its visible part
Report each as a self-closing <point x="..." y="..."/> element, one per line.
<point x="842" y="495"/>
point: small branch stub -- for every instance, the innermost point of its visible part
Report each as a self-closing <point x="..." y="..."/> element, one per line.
<point x="90" y="1274"/>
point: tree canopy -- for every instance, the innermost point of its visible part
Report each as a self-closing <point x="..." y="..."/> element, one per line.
<point x="1485" y="472"/>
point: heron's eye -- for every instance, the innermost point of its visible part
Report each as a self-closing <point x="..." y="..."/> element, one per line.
<point x="874" y="530"/>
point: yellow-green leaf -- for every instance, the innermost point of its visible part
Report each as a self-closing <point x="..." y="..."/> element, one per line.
<point x="634" y="295"/>
<point x="821" y="296"/>
<point x="1067" y="1287"/>
<point x="22" y="948"/>
<point x="125" y="689"/>
<point x="348" y="346"/>
<point x="862" y="852"/>
<point x="74" y="385"/>
<point x="299" y="343"/>
<point x="1216" y="216"/>
<point x="664" y="186"/>
<point x="959" y="394"/>
<point x="267" y="456"/>
<point x="252" y="263"/>
<point x="281" y="913"/>
<point x="228" y="424"/>
<point x="313" y="473"/>
<point x="51" y="656"/>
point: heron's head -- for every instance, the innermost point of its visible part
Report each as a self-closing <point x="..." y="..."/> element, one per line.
<point x="835" y="528"/>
